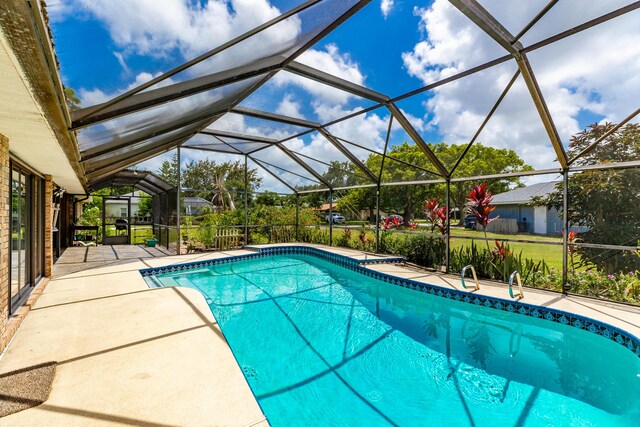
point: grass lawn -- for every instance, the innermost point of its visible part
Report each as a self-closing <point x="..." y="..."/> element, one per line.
<point x="551" y="254"/>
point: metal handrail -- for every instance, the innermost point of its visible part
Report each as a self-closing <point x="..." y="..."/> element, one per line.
<point x="516" y="275"/>
<point x="475" y="276"/>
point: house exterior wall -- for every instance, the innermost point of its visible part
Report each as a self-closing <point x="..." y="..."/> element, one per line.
<point x="113" y="208"/>
<point x="520" y="213"/>
<point x="555" y="223"/>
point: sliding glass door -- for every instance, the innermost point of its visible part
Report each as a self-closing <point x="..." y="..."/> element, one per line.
<point x="27" y="234"/>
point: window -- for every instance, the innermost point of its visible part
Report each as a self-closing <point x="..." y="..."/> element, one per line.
<point x="123" y="212"/>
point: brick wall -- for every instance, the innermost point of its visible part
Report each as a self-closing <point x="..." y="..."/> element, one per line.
<point x="5" y="197"/>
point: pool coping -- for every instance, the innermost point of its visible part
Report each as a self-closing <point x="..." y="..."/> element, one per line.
<point x="595" y="326"/>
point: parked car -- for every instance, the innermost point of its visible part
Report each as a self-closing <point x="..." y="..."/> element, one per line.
<point x="337" y="218"/>
<point x="470" y="222"/>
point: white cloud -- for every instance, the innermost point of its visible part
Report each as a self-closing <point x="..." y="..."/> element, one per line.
<point x="595" y="71"/>
<point x="144" y="27"/>
<point x="122" y="62"/>
<point x="386" y="6"/>
<point x="331" y="61"/>
<point x="289" y="107"/>
<point x="89" y="97"/>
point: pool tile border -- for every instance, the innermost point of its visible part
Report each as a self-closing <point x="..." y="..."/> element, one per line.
<point x="597" y="327"/>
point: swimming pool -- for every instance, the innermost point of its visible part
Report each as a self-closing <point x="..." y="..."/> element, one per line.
<point x="323" y="344"/>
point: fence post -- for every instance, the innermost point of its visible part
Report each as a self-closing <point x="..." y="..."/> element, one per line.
<point x="566" y="287"/>
<point x="330" y="217"/>
<point x="378" y="218"/>
<point x="246" y="204"/>
<point x="179" y="206"/>
<point x="297" y="216"/>
<point x="447" y="226"/>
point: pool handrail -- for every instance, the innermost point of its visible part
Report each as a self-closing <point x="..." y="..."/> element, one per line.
<point x="473" y="272"/>
<point x="516" y="275"/>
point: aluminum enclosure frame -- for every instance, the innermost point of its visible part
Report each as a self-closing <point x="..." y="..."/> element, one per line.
<point x="134" y="100"/>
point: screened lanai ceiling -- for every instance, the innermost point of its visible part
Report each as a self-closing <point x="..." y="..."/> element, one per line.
<point x="219" y="101"/>
<point x="146" y="181"/>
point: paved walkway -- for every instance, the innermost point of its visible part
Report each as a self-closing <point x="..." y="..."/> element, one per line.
<point x="76" y="259"/>
<point x="129" y="355"/>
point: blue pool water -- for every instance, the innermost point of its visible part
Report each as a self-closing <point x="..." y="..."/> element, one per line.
<point x="320" y="344"/>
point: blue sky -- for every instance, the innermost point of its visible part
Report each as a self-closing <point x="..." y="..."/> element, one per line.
<point x="106" y="47"/>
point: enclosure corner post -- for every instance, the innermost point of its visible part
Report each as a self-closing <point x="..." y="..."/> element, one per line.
<point x="447" y="231"/>
<point x="566" y="287"/>
<point x="179" y="206"/>
<point x="297" y="216"/>
<point x="246" y="203"/>
<point x="378" y="218"/>
<point x="330" y="217"/>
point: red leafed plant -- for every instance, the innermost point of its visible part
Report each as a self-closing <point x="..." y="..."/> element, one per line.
<point x="500" y="251"/>
<point x="413" y="225"/>
<point x="389" y="223"/>
<point x="480" y="206"/>
<point x="365" y="241"/>
<point x="436" y="215"/>
<point x="572" y="237"/>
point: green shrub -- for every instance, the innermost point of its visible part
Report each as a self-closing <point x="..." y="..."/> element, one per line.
<point x="498" y="264"/>
<point x="623" y="287"/>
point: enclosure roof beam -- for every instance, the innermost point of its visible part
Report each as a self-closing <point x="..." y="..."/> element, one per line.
<point x="201" y="122"/>
<point x="118" y="143"/>
<point x="351" y="187"/>
<point x="257" y="162"/>
<point x="107" y="170"/>
<point x="483" y="19"/>
<point x="584" y="26"/>
<point x="602" y="166"/>
<point x="240" y="136"/>
<point x="250" y="112"/>
<point x="101" y="154"/>
<point x="166" y="94"/>
<point x="604" y="136"/>
<point x="328" y="164"/>
<point x="543" y="110"/>
<point x="386" y="155"/>
<point x="535" y="19"/>
<point x="336" y="82"/>
<point x="490" y="25"/>
<point x="485" y="121"/>
<point x="508" y="175"/>
<point x="205" y="55"/>
<point x="406" y="125"/>
<point x="286" y="170"/>
<point x="348" y="154"/>
<point x="305" y="166"/>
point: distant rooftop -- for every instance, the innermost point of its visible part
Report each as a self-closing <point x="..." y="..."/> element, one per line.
<point x="524" y="194"/>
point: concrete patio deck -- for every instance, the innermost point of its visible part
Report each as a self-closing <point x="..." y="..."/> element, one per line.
<point x="129" y="355"/>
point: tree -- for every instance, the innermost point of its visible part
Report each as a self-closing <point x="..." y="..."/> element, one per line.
<point x="408" y="200"/>
<point x="72" y="100"/>
<point x="222" y="184"/>
<point x="480" y="160"/>
<point x="605" y="201"/>
<point x="268" y="198"/>
<point x="145" y="207"/>
<point x="341" y="174"/>
<point x="169" y="170"/>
